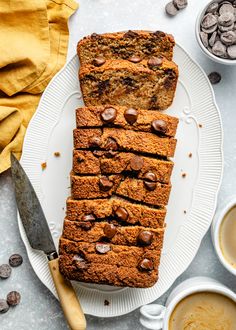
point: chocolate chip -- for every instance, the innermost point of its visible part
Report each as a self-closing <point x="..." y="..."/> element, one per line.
<point x="131" y="115"/>
<point x="159" y="126"/>
<point x="145" y="237"/>
<point x="80" y="262"/>
<point x="212" y="39"/>
<point x="109" y="230"/>
<point x="80" y="159"/>
<point x="95" y="35"/>
<point x="210" y="30"/>
<point x="180" y="4"/>
<point x="226" y="19"/>
<point x="136" y="163"/>
<point x="85" y="225"/>
<point x="204" y="38"/>
<point x="159" y="34"/>
<point x="131" y="34"/>
<point x="106" y="303"/>
<point x="5" y="271"/>
<point x="135" y="59"/>
<point x="146" y="264"/>
<point x="88" y="217"/>
<point x="111" y="144"/>
<point x="219" y="49"/>
<point x="102" y="248"/>
<point x="214" y="77"/>
<point x="98" y="153"/>
<point x="231" y="50"/>
<point x="155" y="62"/>
<point x="15" y="260"/>
<point x="108" y="115"/>
<point x="225" y="28"/>
<point x="170" y="8"/>
<point x="226" y="8"/>
<point x="13" y="298"/>
<point x="110" y="154"/>
<point x="105" y="184"/>
<point x="4" y="307"/>
<point x="228" y="38"/>
<point x="150" y="185"/>
<point x="212" y="8"/>
<point x="208" y="21"/>
<point x="99" y="61"/>
<point x="121" y="213"/>
<point x="150" y="176"/>
<point x="95" y="141"/>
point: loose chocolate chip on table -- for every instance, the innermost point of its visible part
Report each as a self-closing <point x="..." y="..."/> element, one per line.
<point x="204" y="38"/>
<point x="4" y="307"/>
<point x="212" y="8"/>
<point x="109" y="230"/>
<point x="159" y="126"/>
<point x="121" y="213"/>
<point x="105" y="184"/>
<point x="99" y="61"/>
<point x="146" y="264"/>
<point x="145" y="237"/>
<point x="231" y="50"/>
<point x="228" y="38"/>
<point x="219" y="49"/>
<point x="150" y="176"/>
<point x="102" y="248"/>
<point x="5" y="271"/>
<point x="15" y="260"/>
<point x="212" y="39"/>
<point x="155" y="61"/>
<point x="111" y="144"/>
<point x="208" y="21"/>
<point x="214" y="77"/>
<point x="180" y="4"/>
<point x="131" y="115"/>
<point x="170" y="8"/>
<point x="95" y="141"/>
<point x="150" y="185"/>
<point x="13" y="298"/>
<point x="80" y="262"/>
<point x="108" y="115"/>
<point x="136" y="163"/>
<point x="135" y="59"/>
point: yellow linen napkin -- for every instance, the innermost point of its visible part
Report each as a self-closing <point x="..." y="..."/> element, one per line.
<point x="33" y="47"/>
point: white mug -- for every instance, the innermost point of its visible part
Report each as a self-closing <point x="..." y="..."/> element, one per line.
<point x="215" y="234"/>
<point x="157" y="317"/>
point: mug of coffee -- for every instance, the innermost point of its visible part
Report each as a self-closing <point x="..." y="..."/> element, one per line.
<point x="223" y="233"/>
<point x="197" y="303"/>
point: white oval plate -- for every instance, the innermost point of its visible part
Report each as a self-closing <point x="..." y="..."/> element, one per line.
<point x="193" y="198"/>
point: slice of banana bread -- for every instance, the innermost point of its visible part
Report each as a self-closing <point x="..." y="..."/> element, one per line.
<point x="128" y="118"/>
<point x="124" y="140"/>
<point x="110" y="162"/>
<point x="148" y="84"/>
<point x="116" y="208"/>
<point x="125" y="45"/>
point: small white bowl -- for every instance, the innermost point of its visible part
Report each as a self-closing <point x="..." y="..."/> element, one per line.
<point x="204" y="49"/>
<point x="215" y="233"/>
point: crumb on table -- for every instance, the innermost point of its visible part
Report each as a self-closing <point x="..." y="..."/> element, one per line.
<point x="185" y="211"/>
<point x="190" y="155"/>
<point x="44" y="165"/>
<point x="184" y="175"/>
<point x="106" y="303"/>
<point x="57" y="154"/>
<point x="200" y="125"/>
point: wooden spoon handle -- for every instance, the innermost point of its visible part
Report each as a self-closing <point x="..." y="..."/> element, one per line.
<point x="68" y="299"/>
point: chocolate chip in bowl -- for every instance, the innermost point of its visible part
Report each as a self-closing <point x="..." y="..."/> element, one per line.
<point x="216" y="31"/>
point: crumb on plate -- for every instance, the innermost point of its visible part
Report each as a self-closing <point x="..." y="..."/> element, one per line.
<point x="44" y="165"/>
<point x="200" y="125"/>
<point x="106" y="303"/>
<point x="57" y="154"/>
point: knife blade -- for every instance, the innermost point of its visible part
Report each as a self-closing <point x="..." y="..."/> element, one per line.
<point x="40" y="238"/>
<point x="30" y="210"/>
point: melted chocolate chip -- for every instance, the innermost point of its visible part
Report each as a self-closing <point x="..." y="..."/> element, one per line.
<point x="110" y="154"/>
<point x="80" y="159"/>
<point x="135" y="59"/>
<point x="150" y="185"/>
<point x="108" y="115"/>
<point x="145" y="237"/>
<point x="159" y="34"/>
<point x="80" y="262"/>
<point x="95" y="35"/>
<point x="111" y="144"/>
<point x="155" y="62"/>
<point x="85" y="225"/>
<point x="88" y="217"/>
<point x="159" y="126"/>
<point x="150" y="176"/>
<point x="131" y="116"/>
<point x="121" y="213"/>
<point x="136" y="163"/>
<point x="102" y="248"/>
<point x="146" y="264"/>
<point x="130" y="34"/>
<point x="109" y="230"/>
<point x="99" y="61"/>
<point x="105" y="184"/>
<point x="95" y="141"/>
<point x="98" y="153"/>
